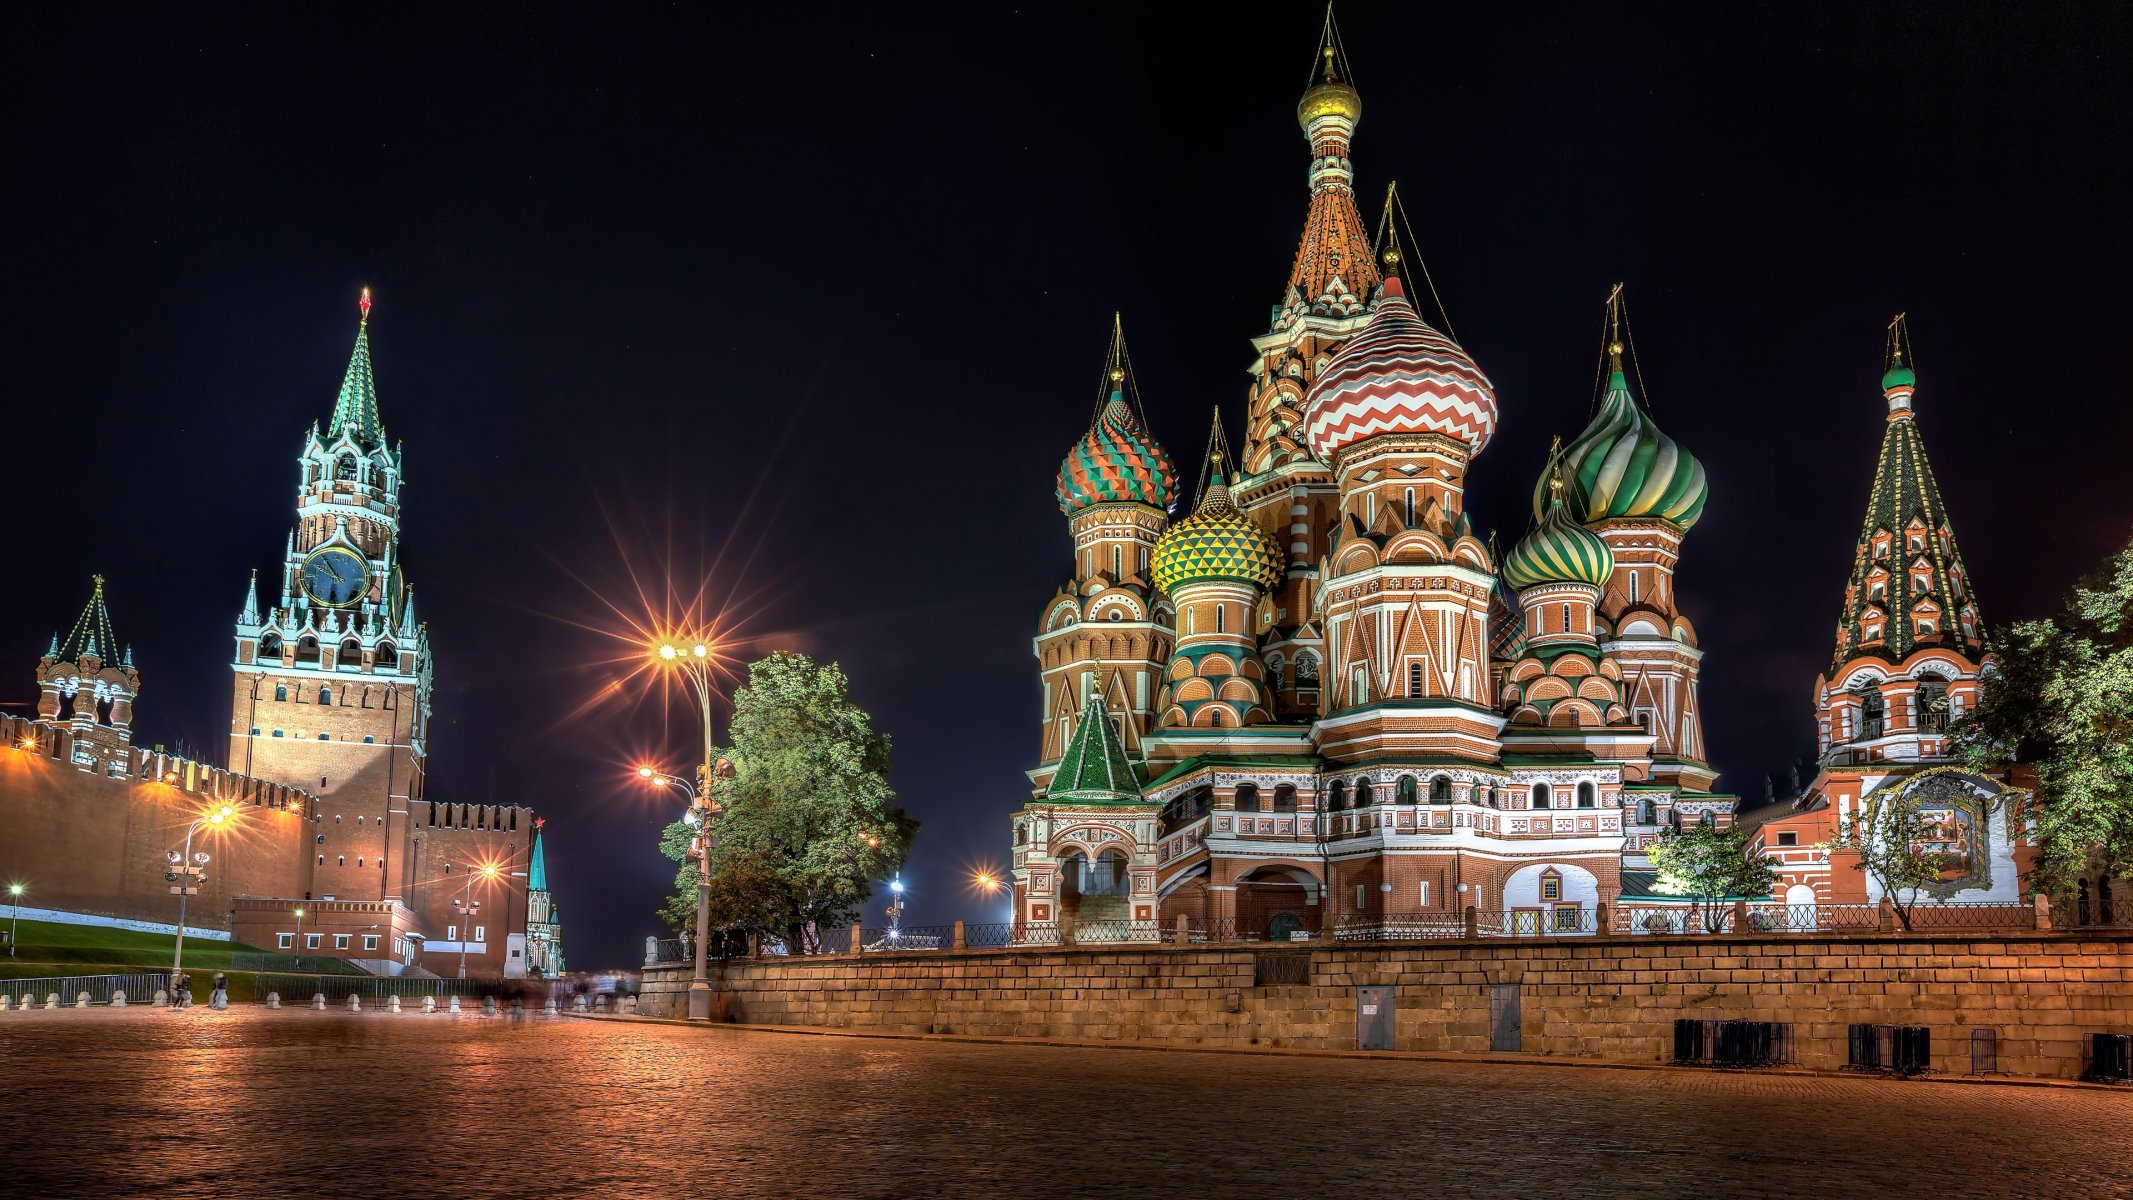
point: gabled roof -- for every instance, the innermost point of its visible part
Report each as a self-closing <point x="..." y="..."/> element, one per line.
<point x="1094" y="767"/>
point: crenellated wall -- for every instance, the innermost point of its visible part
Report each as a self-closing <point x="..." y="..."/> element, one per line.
<point x="1603" y="998"/>
<point x="84" y="840"/>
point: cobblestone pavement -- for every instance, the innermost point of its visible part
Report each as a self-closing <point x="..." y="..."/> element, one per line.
<point x="256" y="1103"/>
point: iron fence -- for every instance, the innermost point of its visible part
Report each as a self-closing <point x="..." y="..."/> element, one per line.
<point x="1397" y="927"/>
<point x="303" y="989"/>
<point x="1561" y="920"/>
<point x="265" y="960"/>
<point x="1715" y="1043"/>
<point x="911" y="938"/>
<point x="2083" y="912"/>
<point x="2107" y="1057"/>
<point x="140" y="988"/>
<point x="1890" y="1049"/>
<point x="995" y="935"/>
<point x="666" y="950"/>
<point x="1926" y="917"/>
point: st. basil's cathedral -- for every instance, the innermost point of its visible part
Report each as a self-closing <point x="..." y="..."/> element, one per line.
<point x="1321" y="699"/>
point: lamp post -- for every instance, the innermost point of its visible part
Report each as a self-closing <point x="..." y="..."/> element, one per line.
<point x="691" y="658"/>
<point x="467" y="906"/>
<point x="14" y="906"/>
<point x="298" y="948"/>
<point x="187" y="871"/>
<point x="701" y="809"/>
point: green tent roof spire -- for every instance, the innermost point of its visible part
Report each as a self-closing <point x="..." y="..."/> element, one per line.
<point x="537" y="871"/>
<point x="357" y="408"/>
<point x="1094" y="767"/>
<point x="92" y="630"/>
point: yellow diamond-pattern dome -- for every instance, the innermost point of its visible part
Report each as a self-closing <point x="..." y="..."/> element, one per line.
<point x="1215" y="542"/>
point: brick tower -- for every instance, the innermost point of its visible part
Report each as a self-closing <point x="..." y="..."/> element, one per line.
<point x="332" y="678"/>
<point x="87" y="682"/>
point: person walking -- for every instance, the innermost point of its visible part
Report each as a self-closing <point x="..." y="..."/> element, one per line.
<point x="219" y="998"/>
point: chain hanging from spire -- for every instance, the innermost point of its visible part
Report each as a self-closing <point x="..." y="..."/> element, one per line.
<point x="1392" y="223"/>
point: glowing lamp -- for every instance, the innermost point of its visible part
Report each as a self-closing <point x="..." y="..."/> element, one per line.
<point x="701" y="650"/>
<point x="667" y="652"/>
<point x="14" y="889"/>
<point x="645" y="772"/>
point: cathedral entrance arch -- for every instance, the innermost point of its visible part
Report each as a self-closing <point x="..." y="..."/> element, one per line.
<point x="1276" y="901"/>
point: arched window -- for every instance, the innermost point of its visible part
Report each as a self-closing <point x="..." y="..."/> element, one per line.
<point x="281" y="691"/>
<point x="270" y="646"/>
<point x="1588" y="794"/>
<point x="1221" y="618"/>
<point x="1284" y="798"/>
<point x="1363" y="796"/>
<point x="1493" y="800"/>
<point x="307" y="649"/>
<point x="1647" y="812"/>
<point x="1414" y="680"/>
<point x="1873" y="712"/>
<point x="1307" y="670"/>
<point x="1403" y="791"/>
<point x="1541" y="795"/>
<point x="344" y="468"/>
<point x="1337" y="795"/>
<point x="1440" y="790"/>
<point x="325" y="695"/>
<point x="1707" y="821"/>
<point x="1932" y="705"/>
<point x="351" y="656"/>
<point x="1247" y="798"/>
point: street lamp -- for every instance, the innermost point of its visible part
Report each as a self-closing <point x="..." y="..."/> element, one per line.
<point x="466" y="906"/>
<point x="187" y="871"/>
<point x="691" y="657"/>
<point x="14" y="905"/>
<point x="298" y="948"/>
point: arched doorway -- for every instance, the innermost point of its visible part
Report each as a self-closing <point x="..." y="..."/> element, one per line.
<point x="1275" y="903"/>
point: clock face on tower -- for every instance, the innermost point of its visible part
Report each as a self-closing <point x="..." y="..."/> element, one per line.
<point x="336" y="577"/>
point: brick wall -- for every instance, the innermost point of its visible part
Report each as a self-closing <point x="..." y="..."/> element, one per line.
<point x="1607" y="998"/>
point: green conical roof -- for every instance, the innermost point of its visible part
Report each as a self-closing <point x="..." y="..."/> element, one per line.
<point x="91" y="633"/>
<point x="537" y="870"/>
<point x="356" y="410"/>
<point x="1094" y="767"/>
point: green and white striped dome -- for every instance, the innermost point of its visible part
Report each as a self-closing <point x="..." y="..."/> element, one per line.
<point x="1559" y="550"/>
<point x="1623" y="466"/>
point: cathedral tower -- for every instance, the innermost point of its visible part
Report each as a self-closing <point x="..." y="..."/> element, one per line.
<point x="1642" y="492"/>
<point x="1106" y="632"/>
<point x="1216" y="566"/>
<point x="332" y="675"/>
<point x="1405" y="589"/>
<point x="87" y="682"/>
<point x="1284" y="489"/>
<point x="1910" y="642"/>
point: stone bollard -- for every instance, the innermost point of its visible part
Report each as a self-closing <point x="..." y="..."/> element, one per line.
<point x="318" y="1002"/>
<point x="1740" y="917"/>
<point x="549" y="1007"/>
<point x="273" y="999"/>
<point x="393" y="1005"/>
<point x="52" y="1000"/>
<point x="1473" y="921"/>
<point x="1602" y="919"/>
<point x="81" y="1000"/>
<point x="4" y="1002"/>
<point x="577" y="1003"/>
<point x="1886" y="916"/>
<point x="161" y="999"/>
<point x="118" y="997"/>
<point x="518" y="1007"/>
<point x="960" y="940"/>
<point x="355" y="1002"/>
<point x="488" y="1006"/>
<point x="429" y="1004"/>
<point x="455" y="1004"/>
<point x="2044" y="912"/>
<point x="859" y="937"/>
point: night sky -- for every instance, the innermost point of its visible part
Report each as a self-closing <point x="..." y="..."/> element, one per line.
<point x="810" y="301"/>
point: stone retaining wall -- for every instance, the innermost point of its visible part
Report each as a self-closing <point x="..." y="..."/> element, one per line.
<point x="1605" y="998"/>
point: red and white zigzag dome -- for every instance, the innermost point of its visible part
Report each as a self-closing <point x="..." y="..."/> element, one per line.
<point x="1398" y="375"/>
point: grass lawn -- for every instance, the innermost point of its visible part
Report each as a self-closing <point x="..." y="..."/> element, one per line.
<point x="49" y="948"/>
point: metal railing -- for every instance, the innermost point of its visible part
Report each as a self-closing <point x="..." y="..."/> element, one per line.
<point x="140" y="988"/>
<point x="911" y="937"/>
<point x="1533" y="922"/>
<point x="2083" y="912"/>
<point x="301" y="989"/>
<point x="1961" y="914"/>
<point x="303" y="964"/>
<point x="1397" y="927"/>
<point x="1708" y="1043"/>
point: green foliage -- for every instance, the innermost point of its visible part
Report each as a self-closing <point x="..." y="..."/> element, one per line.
<point x="1892" y="831"/>
<point x="1712" y="867"/>
<point x="808" y="815"/>
<point x="2061" y="702"/>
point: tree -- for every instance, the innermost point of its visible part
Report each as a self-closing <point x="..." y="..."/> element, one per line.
<point x="2060" y="700"/>
<point x="1898" y="828"/>
<point x="808" y="815"/>
<point x="1711" y="866"/>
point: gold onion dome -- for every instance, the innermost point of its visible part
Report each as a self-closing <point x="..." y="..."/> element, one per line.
<point x="1623" y="467"/>
<point x="1215" y="542"/>
<point x="1559" y="550"/>
<point x="1330" y="97"/>
<point x="1116" y="462"/>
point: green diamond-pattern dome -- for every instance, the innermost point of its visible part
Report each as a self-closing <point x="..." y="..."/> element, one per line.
<point x="1215" y="542"/>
